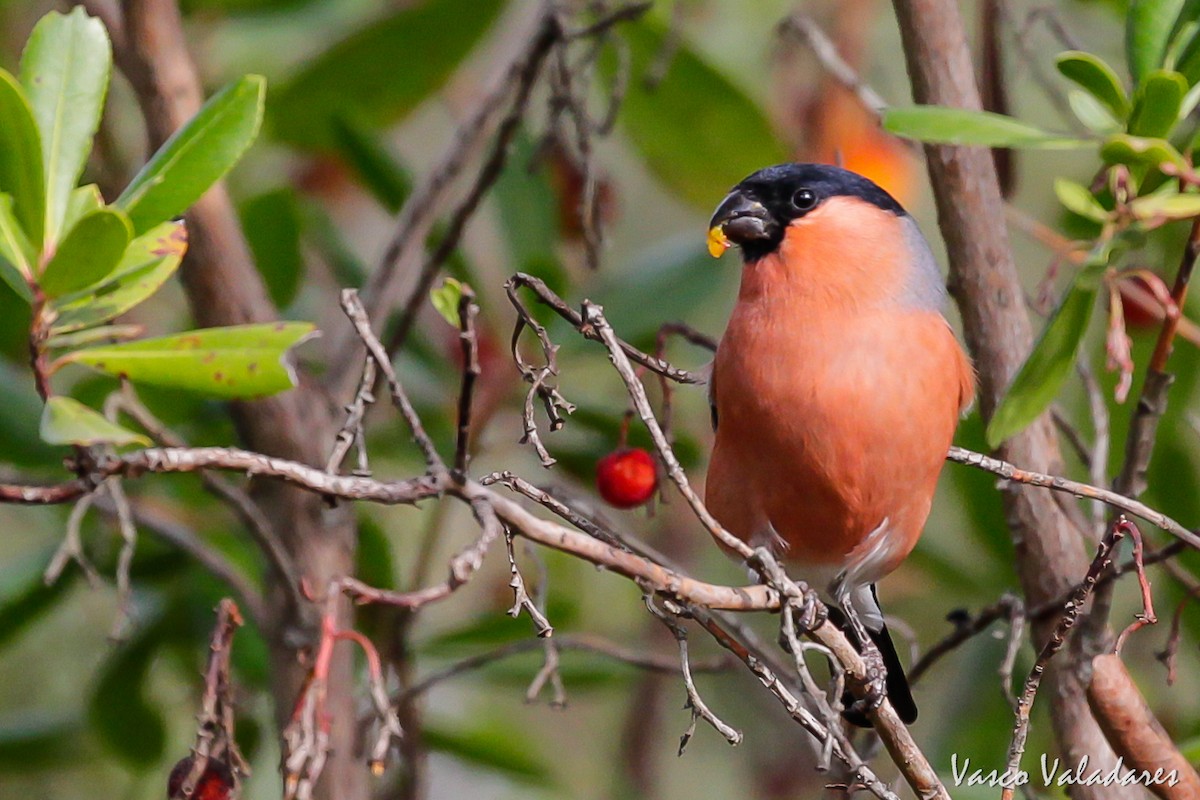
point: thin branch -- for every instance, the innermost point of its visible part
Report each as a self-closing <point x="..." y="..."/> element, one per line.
<point x="805" y="29"/>
<point x="357" y="315"/>
<point x="651" y="662"/>
<point x="468" y="337"/>
<point x="1055" y="483"/>
<point x="1053" y="644"/>
<point x="217" y="565"/>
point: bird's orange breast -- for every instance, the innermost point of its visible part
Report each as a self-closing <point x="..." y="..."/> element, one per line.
<point x="836" y="403"/>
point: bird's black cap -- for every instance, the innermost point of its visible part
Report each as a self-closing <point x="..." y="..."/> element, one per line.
<point x="756" y="212"/>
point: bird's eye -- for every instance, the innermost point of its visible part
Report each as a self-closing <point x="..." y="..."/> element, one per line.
<point x="804" y="199"/>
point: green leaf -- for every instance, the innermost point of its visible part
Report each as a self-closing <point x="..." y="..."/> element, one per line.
<point x="497" y="747"/>
<point x="1038" y="381"/>
<point x="272" y="224"/>
<point x="16" y="253"/>
<point x="1166" y="207"/>
<point x="118" y="711"/>
<point x="196" y="156"/>
<point x="21" y="158"/>
<point x="93" y="335"/>
<point x="67" y="421"/>
<point x="1156" y="104"/>
<point x="379" y="173"/>
<point x="1092" y="113"/>
<point x="148" y="262"/>
<point x="65" y="69"/>
<point x="1097" y="77"/>
<point x="1139" y="151"/>
<point x="698" y="132"/>
<point x="446" y="298"/>
<point x="1078" y="199"/>
<point x="233" y="362"/>
<point x="941" y="125"/>
<point x="1148" y="30"/>
<point x="1188" y="61"/>
<point x="89" y="253"/>
<point x="380" y="73"/>
<point x="83" y="201"/>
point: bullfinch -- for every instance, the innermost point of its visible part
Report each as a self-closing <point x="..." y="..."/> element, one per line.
<point x="836" y="388"/>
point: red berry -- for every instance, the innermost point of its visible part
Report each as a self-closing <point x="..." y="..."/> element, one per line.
<point x="627" y="478"/>
<point x="215" y="784"/>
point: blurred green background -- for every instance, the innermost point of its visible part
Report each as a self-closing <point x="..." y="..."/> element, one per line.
<point x="363" y="99"/>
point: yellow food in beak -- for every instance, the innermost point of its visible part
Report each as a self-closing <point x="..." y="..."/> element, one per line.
<point x="718" y="242"/>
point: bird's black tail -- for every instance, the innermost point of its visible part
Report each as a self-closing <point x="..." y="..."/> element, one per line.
<point x="898" y="690"/>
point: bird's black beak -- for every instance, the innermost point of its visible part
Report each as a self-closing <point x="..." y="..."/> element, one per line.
<point x="740" y="219"/>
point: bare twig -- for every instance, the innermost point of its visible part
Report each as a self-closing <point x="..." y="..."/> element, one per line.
<point x="521" y="599"/>
<point x="362" y="326"/>
<point x="695" y="703"/>
<point x="1113" y="499"/>
<point x="468" y="310"/>
<point x="215" y="740"/>
<point x="804" y="28"/>
<point x="1055" y="643"/>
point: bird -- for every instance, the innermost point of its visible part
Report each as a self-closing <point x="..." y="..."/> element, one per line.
<point x="835" y="390"/>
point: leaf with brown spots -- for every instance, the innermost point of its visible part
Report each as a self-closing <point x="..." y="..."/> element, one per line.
<point x="234" y="362"/>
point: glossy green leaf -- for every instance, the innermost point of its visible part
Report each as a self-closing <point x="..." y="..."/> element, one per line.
<point x="1078" y="199"/>
<point x="445" y="299"/>
<point x="21" y="158"/>
<point x="118" y="712"/>
<point x="148" y="262"/>
<point x="497" y="747"/>
<point x="1166" y="207"/>
<point x="1148" y="29"/>
<point x="1139" y="151"/>
<point x="65" y="70"/>
<point x="83" y="201"/>
<point x="91" y="251"/>
<point x="1042" y="375"/>
<point x="381" y="175"/>
<point x="68" y="421"/>
<point x="197" y="156"/>
<point x="16" y="253"/>
<point x="1156" y="104"/>
<point x="272" y="224"/>
<point x="1092" y="113"/>
<point x="941" y="125"/>
<point x="380" y="73"/>
<point x="233" y="362"/>
<point x="1097" y="77"/>
<point x="698" y="132"/>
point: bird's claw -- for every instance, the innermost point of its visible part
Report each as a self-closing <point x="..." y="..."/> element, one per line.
<point x="871" y="689"/>
<point x="810" y="613"/>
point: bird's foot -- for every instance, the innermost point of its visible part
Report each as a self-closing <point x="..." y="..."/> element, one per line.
<point x="871" y="689"/>
<point x="808" y="613"/>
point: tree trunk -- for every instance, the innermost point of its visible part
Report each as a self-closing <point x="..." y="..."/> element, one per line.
<point x="1051" y="557"/>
